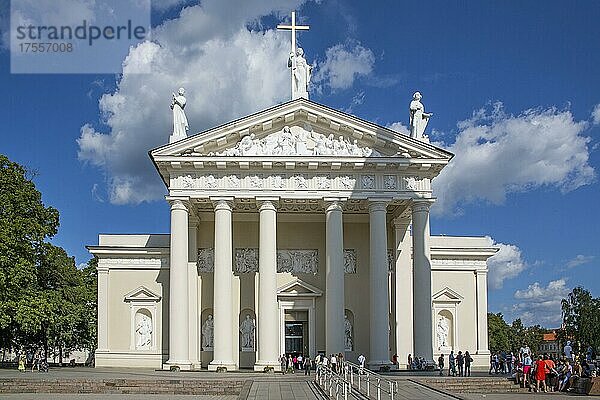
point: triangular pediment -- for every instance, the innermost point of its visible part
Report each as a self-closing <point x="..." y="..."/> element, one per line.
<point x="447" y="295"/>
<point x="142" y="293"/>
<point x="298" y="288"/>
<point x="301" y="128"/>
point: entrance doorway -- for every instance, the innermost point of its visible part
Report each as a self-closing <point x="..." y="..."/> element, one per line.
<point x="296" y="332"/>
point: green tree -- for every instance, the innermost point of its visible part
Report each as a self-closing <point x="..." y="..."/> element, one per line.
<point x="24" y="225"/>
<point x="498" y="333"/>
<point x="44" y="299"/>
<point x="581" y="319"/>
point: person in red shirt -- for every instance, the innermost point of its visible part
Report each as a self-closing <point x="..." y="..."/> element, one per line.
<point x="540" y="374"/>
<point x="550" y="373"/>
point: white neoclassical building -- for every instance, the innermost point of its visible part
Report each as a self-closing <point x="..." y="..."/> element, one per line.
<point x="299" y="229"/>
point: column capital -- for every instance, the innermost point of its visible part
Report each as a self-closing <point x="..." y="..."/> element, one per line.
<point x="267" y="203"/>
<point x="179" y="203"/>
<point x="222" y="203"/>
<point x="422" y="205"/>
<point x="332" y="204"/>
<point x="378" y="205"/>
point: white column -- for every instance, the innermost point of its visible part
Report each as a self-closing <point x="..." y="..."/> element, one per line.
<point x="482" y="326"/>
<point x="179" y="355"/>
<point x="222" y="301"/>
<point x="423" y="324"/>
<point x="378" y="279"/>
<point x="193" y="291"/>
<point x="102" y="307"/>
<point x="334" y="279"/>
<point x="268" y="327"/>
<point x="404" y="290"/>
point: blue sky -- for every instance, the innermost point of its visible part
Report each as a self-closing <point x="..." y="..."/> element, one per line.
<point x="513" y="86"/>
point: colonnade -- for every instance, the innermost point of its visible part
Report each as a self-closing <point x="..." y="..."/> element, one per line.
<point x="268" y="324"/>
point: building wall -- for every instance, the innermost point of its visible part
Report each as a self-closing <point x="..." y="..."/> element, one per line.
<point x="293" y="232"/>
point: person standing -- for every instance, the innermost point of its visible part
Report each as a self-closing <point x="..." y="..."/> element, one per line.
<point x="290" y="364"/>
<point x="460" y="360"/>
<point x="540" y="374"/>
<point x="451" y="364"/>
<point x="283" y="362"/>
<point x="361" y="363"/>
<point x="509" y="362"/>
<point x="441" y="363"/>
<point x="333" y="360"/>
<point x="22" y="360"/>
<point x="410" y="361"/>
<point x="527" y="363"/>
<point x="468" y="361"/>
<point x="307" y="365"/>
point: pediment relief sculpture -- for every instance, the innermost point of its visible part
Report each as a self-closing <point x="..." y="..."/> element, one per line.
<point x="298" y="141"/>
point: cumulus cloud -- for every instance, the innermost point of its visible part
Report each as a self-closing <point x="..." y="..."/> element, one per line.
<point x="580" y="259"/>
<point x="343" y="64"/>
<point x="228" y="70"/>
<point x="507" y="263"/>
<point x="596" y="115"/>
<point x="540" y="304"/>
<point x="399" y="127"/>
<point x="498" y="154"/>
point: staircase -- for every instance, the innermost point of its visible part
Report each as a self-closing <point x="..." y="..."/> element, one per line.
<point x="473" y="385"/>
<point x="123" y="386"/>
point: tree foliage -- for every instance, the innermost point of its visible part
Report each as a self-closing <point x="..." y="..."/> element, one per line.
<point x="44" y="299"/>
<point x="505" y="337"/>
<point x="581" y="319"/>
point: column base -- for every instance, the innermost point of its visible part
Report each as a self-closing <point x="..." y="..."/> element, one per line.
<point x="261" y="366"/>
<point x="378" y="365"/>
<point x="222" y="366"/>
<point x="185" y="365"/>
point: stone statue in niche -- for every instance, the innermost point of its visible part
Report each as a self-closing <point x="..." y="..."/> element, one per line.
<point x="247" y="330"/>
<point x="180" y="122"/>
<point x="143" y="331"/>
<point x="348" y="343"/>
<point x="418" y="117"/>
<point x="442" y="331"/>
<point x="208" y="334"/>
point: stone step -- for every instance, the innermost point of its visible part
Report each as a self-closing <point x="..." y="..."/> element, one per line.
<point x="474" y="385"/>
<point x="122" y="386"/>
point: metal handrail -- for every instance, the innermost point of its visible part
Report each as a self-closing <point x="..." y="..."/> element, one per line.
<point x="333" y="383"/>
<point x="354" y="373"/>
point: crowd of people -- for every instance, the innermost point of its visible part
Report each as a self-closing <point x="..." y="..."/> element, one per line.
<point x="545" y="372"/>
<point x="541" y="372"/>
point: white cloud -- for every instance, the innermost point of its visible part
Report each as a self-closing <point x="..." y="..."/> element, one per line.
<point x="343" y="64"/>
<point x="507" y="263"/>
<point x="498" y="154"/>
<point x="399" y="127"/>
<point x="541" y="305"/>
<point x="596" y="114"/>
<point x="227" y="69"/>
<point x="163" y="5"/>
<point x="580" y="259"/>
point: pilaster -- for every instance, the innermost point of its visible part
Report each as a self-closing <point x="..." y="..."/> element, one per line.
<point x="404" y="291"/>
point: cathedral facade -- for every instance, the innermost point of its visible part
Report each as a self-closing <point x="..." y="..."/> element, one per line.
<point x="299" y="229"/>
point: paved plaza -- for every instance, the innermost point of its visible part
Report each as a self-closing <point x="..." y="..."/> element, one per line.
<point x="259" y="386"/>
